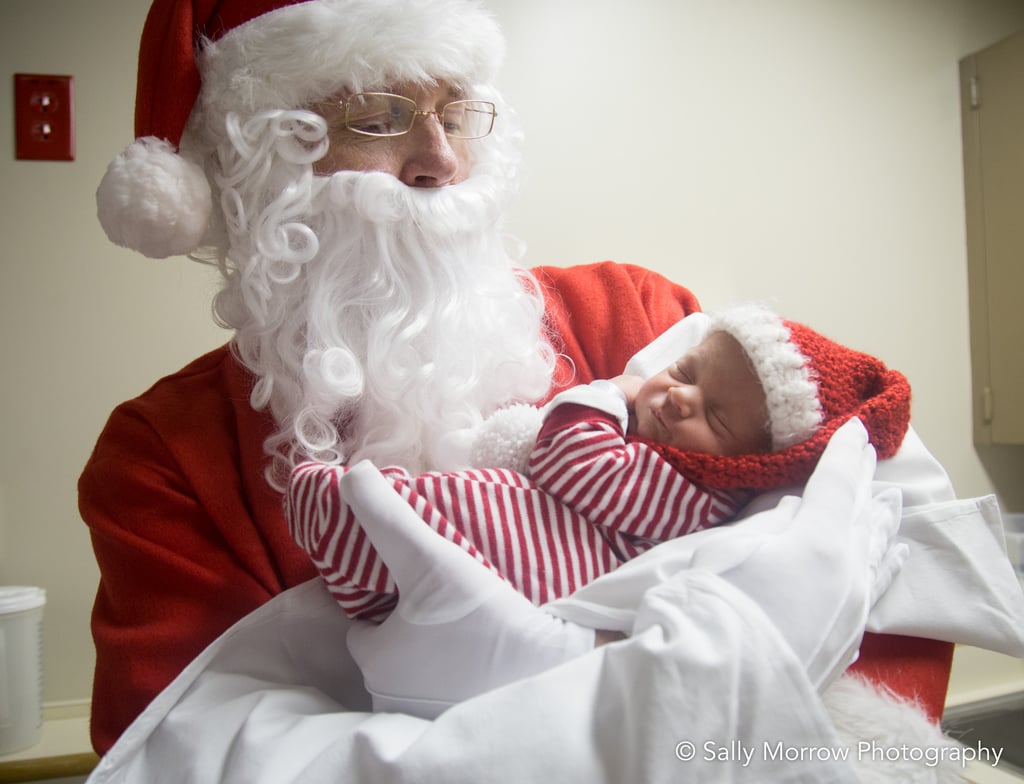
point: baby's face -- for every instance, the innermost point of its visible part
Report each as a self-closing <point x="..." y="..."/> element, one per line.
<point x="709" y="400"/>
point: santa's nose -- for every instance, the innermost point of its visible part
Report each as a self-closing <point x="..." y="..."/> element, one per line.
<point x="431" y="161"/>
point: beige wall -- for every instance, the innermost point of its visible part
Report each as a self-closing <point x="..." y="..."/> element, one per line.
<point x="83" y="325"/>
<point x="798" y="150"/>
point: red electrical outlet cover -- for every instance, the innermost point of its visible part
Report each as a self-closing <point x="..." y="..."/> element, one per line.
<point x="43" y="118"/>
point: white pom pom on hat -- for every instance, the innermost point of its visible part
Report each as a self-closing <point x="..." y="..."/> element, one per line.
<point x="154" y="201"/>
<point x="219" y="56"/>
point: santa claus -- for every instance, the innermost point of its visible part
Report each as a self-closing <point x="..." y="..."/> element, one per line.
<point x="346" y="164"/>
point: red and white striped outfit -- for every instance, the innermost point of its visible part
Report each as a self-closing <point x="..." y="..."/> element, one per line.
<point x="592" y="500"/>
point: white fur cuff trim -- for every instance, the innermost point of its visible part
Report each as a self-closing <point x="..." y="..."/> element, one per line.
<point x="888" y="739"/>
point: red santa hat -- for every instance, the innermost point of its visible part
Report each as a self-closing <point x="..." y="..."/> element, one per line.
<point x="208" y="59"/>
<point x="812" y="385"/>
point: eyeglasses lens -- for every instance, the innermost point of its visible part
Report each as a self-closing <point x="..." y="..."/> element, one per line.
<point x="468" y="119"/>
<point x="379" y="115"/>
<point x="383" y="114"/>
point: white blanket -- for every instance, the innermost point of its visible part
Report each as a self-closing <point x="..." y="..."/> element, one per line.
<point x="709" y="694"/>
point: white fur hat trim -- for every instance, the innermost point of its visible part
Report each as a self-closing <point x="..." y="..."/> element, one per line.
<point x="791" y="395"/>
<point x="312" y="50"/>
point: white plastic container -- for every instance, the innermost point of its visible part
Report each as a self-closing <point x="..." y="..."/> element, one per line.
<point x="21" y="667"/>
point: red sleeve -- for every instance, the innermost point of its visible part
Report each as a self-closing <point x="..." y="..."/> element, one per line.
<point x="187" y="535"/>
<point x="602" y="314"/>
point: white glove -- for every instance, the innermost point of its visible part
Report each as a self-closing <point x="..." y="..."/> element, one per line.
<point x="817" y="564"/>
<point x="459" y="629"/>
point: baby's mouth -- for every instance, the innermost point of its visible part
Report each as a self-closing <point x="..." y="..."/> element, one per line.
<point x="656" y="413"/>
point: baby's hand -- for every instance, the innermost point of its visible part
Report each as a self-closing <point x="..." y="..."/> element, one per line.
<point x="630" y="386"/>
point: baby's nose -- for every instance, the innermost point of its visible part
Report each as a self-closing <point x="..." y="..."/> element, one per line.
<point x="685" y="399"/>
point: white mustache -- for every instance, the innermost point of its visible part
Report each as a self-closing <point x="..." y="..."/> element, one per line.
<point x="382" y="199"/>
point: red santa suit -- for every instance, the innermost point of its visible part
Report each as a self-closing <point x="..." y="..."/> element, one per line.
<point x="189" y="537"/>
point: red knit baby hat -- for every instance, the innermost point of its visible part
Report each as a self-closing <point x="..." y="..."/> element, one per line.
<point x="812" y="386"/>
<point x="215" y="58"/>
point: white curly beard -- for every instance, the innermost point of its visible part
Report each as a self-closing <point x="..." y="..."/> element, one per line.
<point x="406" y="327"/>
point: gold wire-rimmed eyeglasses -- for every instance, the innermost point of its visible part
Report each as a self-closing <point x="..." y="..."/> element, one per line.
<point x="385" y="114"/>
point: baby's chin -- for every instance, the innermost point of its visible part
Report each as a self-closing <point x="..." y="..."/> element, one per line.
<point x="641" y="427"/>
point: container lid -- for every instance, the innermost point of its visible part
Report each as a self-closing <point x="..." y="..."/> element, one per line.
<point x="18" y="598"/>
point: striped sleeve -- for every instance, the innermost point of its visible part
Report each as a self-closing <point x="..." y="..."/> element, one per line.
<point x="582" y="457"/>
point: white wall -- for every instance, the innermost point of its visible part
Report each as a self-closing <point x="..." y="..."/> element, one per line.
<point x="799" y="150"/>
